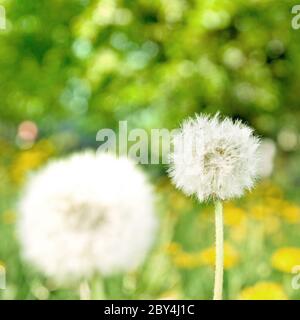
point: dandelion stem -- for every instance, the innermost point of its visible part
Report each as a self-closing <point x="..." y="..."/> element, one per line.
<point x="84" y="290"/>
<point x="219" y="251"/>
<point x="98" y="288"/>
<point x="93" y="289"/>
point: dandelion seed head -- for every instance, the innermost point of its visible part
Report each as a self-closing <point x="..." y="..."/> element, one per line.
<point x="214" y="158"/>
<point x="85" y="214"/>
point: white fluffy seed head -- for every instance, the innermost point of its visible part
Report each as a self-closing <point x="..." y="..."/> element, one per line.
<point x="86" y="214"/>
<point x="214" y="158"/>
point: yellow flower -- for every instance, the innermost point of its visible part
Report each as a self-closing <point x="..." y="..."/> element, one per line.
<point x="266" y="190"/>
<point x="187" y="260"/>
<point x="233" y="215"/>
<point x="284" y="259"/>
<point x="260" y="212"/>
<point x="206" y="215"/>
<point x="290" y="213"/>
<point x="179" y="201"/>
<point x="173" y="248"/>
<point x="30" y="159"/>
<point x="183" y="259"/>
<point x="238" y="233"/>
<point x="271" y="224"/>
<point x="231" y="256"/>
<point x="264" y="291"/>
<point x="8" y="217"/>
<point x="206" y="257"/>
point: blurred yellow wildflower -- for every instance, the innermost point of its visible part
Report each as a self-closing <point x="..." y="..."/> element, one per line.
<point x="261" y="211"/>
<point x="273" y="203"/>
<point x="187" y="260"/>
<point x="173" y="248"/>
<point x="264" y="291"/>
<point x="179" y="201"/>
<point x="265" y="190"/>
<point x="231" y="256"/>
<point x="233" y="215"/>
<point x="8" y="217"/>
<point x="205" y="257"/>
<point x="271" y="224"/>
<point x="30" y="159"/>
<point x="238" y="233"/>
<point x="183" y="259"/>
<point x="290" y="212"/>
<point x="284" y="259"/>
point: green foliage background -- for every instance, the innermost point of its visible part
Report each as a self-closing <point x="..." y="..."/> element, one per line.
<point x="76" y="66"/>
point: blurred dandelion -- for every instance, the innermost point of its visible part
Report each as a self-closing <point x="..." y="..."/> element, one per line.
<point x="28" y="160"/>
<point x="215" y="159"/>
<point x="284" y="259"/>
<point x="185" y="260"/>
<point x="173" y="248"/>
<point x="264" y="291"/>
<point x="85" y="215"/>
<point x="233" y="216"/>
<point x="238" y="233"/>
<point x="205" y="257"/>
<point x="261" y="211"/>
<point x="231" y="256"/>
<point x="290" y="212"/>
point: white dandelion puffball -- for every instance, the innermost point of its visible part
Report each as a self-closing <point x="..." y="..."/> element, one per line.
<point x="214" y="158"/>
<point x="85" y="214"/>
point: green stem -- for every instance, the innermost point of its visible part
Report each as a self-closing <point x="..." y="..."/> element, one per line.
<point x="98" y="288"/>
<point x="93" y="289"/>
<point x="219" y="251"/>
<point x="84" y="291"/>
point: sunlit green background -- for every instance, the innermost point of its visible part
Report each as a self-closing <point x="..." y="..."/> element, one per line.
<point x="72" y="67"/>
